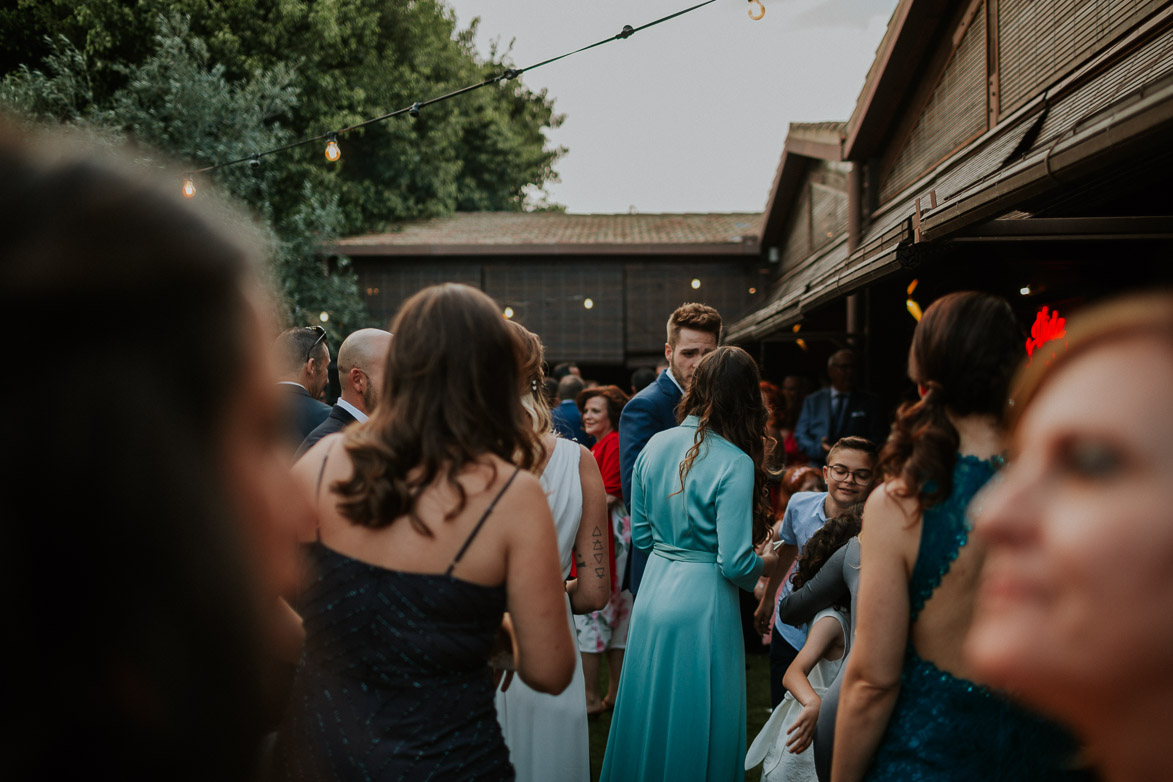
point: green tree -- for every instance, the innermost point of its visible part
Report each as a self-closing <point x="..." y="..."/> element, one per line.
<point x="354" y="59"/>
<point x="175" y="103"/>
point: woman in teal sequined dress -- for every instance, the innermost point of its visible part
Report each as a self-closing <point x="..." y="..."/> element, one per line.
<point x="910" y="702"/>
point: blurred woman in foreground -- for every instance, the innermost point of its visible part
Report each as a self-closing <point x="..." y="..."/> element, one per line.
<point x="427" y="532"/>
<point x="1077" y="590"/>
<point x="145" y="496"/>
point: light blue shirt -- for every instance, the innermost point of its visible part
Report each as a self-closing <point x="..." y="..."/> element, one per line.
<point x="805" y="515"/>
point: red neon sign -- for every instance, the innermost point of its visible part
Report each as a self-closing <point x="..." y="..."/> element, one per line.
<point x="1045" y="329"/>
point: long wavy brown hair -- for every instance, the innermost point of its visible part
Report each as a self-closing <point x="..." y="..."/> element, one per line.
<point x="726" y="398"/>
<point x="964" y="352"/>
<point x="825" y="542"/>
<point x="449" y="400"/>
<point x="533" y="399"/>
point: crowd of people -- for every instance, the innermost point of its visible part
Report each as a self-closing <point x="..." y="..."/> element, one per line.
<point x="233" y="580"/>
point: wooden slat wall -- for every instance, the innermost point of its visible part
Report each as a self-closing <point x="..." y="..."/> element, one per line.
<point x="655" y="290"/>
<point x="954" y="114"/>
<point x="798" y="231"/>
<point x="547" y="299"/>
<point x="1041" y="40"/>
<point x="385" y="287"/>
<point x="828" y="213"/>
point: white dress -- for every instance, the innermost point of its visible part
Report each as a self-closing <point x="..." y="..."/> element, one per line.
<point x="547" y="734"/>
<point x="769" y="748"/>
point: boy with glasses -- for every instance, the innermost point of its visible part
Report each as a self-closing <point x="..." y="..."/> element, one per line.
<point x="850" y="475"/>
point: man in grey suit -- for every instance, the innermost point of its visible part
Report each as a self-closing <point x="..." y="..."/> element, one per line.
<point x="362" y="364"/>
<point x="839" y="411"/>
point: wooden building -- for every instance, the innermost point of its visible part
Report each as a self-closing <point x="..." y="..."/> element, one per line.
<point x="598" y="289"/>
<point x="1016" y="146"/>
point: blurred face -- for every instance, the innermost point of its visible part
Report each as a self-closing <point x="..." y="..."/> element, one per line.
<point x="849" y="475"/>
<point x="1077" y="586"/>
<point x="256" y="472"/>
<point x="841" y="369"/>
<point x="691" y="346"/>
<point x="791" y="392"/>
<point x="595" y="421"/>
<point x="810" y="483"/>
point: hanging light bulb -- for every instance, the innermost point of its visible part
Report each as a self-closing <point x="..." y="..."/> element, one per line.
<point x="332" y="150"/>
<point x="588" y="303"/>
<point x="324" y="316"/>
<point x="188" y="187"/>
<point x="508" y="312"/>
<point x="911" y="304"/>
<point x="696" y="283"/>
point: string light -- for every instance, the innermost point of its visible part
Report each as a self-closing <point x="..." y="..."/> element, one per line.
<point x="325" y="316"/>
<point x="333" y="153"/>
<point x="1024" y="290"/>
<point x="332" y="150"/>
<point x="800" y="341"/>
<point x="696" y="284"/>
<point x="508" y="313"/>
<point x="913" y="308"/>
<point x="752" y="291"/>
<point x="588" y="304"/>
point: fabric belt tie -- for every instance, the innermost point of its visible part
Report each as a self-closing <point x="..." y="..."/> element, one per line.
<point x="684" y="555"/>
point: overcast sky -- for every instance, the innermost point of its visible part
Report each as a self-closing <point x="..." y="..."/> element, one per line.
<point x="690" y="115"/>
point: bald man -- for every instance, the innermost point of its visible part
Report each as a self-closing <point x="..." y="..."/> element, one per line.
<point x="841" y="410"/>
<point x="362" y="361"/>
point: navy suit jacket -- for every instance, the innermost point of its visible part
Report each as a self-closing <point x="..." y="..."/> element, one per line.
<point x="338" y="420"/>
<point x="303" y="413"/>
<point x="568" y="423"/>
<point x="863" y="416"/>
<point x="650" y="411"/>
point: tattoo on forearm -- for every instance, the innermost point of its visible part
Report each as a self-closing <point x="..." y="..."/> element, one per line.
<point x="600" y="571"/>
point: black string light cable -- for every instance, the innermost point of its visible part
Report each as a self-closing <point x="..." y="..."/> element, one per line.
<point x="333" y="152"/>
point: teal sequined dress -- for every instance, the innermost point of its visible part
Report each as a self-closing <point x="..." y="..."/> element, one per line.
<point x="944" y="727"/>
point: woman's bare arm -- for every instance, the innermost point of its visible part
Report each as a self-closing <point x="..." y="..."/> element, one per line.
<point x="871" y="679"/>
<point x="592" y="588"/>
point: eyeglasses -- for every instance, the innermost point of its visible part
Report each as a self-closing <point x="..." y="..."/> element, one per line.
<point x="841" y="473"/>
<point x="321" y="332"/>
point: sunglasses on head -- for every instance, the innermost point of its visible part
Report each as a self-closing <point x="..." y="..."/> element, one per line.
<point x="321" y="332"/>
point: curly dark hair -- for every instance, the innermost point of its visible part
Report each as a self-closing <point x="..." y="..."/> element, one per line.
<point x="964" y="352"/>
<point x="612" y="395"/>
<point x="450" y="398"/>
<point x="825" y="542"/>
<point x="725" y="395"/>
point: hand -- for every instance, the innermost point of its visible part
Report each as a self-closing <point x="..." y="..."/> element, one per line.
<point x="802" y="731"/>
<point x="503" y="655"/>
<point x="762" y="615"/>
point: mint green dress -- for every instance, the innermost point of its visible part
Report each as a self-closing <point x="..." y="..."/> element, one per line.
<point x="680" y="713"/>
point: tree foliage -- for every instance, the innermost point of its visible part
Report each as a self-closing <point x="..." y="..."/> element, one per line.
<point x="207" y="81"/>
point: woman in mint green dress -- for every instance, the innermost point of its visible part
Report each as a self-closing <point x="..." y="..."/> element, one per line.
<point x="699" y="501"/>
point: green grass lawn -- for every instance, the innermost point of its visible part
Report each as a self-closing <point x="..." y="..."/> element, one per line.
<point x="757" y="702"/>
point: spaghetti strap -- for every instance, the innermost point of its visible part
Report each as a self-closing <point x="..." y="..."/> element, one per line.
<point x="318" y="492"/>
<point x="480" y="523"/>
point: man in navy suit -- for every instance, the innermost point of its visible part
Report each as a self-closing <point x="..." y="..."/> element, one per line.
<point x="302" y="358"/>
<point x="839" y="411"/>
<point x="694" y="330"/>
<point x="565" y="416"/>
<point x="362" y="364"/>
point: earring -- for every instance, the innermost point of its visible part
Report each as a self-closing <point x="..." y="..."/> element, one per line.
<point x="533" y="385"/>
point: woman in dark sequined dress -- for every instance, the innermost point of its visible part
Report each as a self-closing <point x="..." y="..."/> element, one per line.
<point x="427" y="533"/>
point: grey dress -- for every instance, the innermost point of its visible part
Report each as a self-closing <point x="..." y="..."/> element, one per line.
<point x="836" y="582"/>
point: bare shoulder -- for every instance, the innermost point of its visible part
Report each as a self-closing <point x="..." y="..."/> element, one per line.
<point x="309" y="466"/>
<point x="891" y="524"/>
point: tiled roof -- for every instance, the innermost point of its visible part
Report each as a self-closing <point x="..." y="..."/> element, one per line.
<point x="560" y="232"/>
